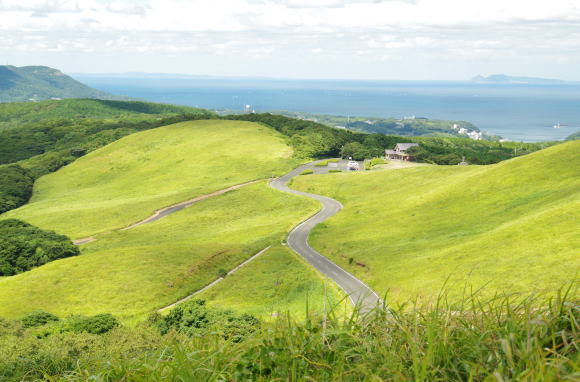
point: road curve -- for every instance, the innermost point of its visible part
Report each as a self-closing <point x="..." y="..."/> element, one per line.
<point x="360" y="294"/>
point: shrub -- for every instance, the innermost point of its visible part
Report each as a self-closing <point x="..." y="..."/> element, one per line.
<point x="376" y="161"/>
<point x="99" y="324"/>
<point x="307" y="172"/>
<point x="334" y="170"/>
<point x="194" y="318"/>
<point x="222" y="273"/>
<point x="38" y="318"/>
<point x="24" y="246"/>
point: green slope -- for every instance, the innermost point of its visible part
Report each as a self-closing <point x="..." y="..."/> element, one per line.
<point x="513" y="226"/>
<point x="129" y="179"/>
<point x="41" y="82"/>
<point x="132" y="273"/>
<point x="277" y="282"/>
<point x="21" y="113"/>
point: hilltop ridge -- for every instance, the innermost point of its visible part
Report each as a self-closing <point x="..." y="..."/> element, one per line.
<point x="35" y="83"/>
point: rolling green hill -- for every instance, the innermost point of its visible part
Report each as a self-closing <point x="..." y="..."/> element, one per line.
<point x="129" y="179"/>
<point x="132" y="273"/>
<point x="34" y="83"/>
<point x="511" y="227"/>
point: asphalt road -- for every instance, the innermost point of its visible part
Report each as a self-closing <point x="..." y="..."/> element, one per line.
<point x="360" y="294"/>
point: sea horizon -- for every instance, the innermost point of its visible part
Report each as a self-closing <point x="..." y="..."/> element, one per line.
<point x="518" y="112"/>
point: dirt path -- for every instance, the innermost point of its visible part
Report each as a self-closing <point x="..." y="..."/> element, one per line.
<point x="160" y="214"/>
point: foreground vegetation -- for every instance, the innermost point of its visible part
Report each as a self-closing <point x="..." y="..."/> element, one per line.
<point x="128" y="180"/>
<point x="511" y="226"/>
<point x="497" y="339"/>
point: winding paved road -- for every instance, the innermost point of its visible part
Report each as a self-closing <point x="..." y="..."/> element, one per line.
<point x="360" y="294"/>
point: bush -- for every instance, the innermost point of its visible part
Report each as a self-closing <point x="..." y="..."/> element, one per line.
<point x="333" y="171"/>
<point x="376" y="161"/>
<point x="307" y="172"/>
<point x="325" y="163"/>
<point x="222" y="273"/>
<point x="99" y="324"/>
<point x="194" y="318"/>
<point x="38" y="318"/>
<point x="23" y="247"/>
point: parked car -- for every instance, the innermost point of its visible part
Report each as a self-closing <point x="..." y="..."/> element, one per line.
<point x="353" y="166"/>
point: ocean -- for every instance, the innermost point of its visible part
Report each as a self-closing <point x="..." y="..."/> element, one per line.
<point x="519" y="112"/>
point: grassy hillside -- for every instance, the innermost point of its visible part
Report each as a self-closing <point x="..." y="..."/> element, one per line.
<point x="129" y="179"/>
<point x="40" y="82"/>
<point x="512" y="227"/>
<point x="132" y="273"/>
<point x="23" y="113"/>
<point x="277" y="282"/>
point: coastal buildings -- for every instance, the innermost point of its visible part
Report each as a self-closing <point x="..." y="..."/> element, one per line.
<point x="475" y="135"/>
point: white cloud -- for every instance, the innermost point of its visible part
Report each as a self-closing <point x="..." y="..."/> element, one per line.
<point x="258" y="29"/>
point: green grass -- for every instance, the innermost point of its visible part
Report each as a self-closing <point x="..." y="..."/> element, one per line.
<point x="129" y="179"/>
<point x="132" y="273"/>
<point x="277" y="282"/>
<point x="513" y="226"/>
<point x="307" y="172"/>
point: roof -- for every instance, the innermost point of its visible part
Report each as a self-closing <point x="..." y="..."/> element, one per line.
<point x="406" y="146"/>
<point x="388" y="152"/>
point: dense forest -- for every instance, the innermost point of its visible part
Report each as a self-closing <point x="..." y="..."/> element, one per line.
<point x="15" y="187"/>
<point x="23" y="247"/>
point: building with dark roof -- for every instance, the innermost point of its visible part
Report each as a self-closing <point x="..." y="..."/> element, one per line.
<point x="400" y="152"/>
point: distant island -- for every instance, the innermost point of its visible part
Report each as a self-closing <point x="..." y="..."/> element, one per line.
<point x="505" y="79"/>
<point x="37" y="83"/>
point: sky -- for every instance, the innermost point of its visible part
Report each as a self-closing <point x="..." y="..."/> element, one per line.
<point x="311" y="39"/>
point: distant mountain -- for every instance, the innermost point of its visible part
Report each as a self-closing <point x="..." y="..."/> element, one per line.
<point x="35" y="83"/>
<point x="505" y="79"/>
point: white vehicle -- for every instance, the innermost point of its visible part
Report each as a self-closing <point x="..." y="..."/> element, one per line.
<point x="352" y="165"/>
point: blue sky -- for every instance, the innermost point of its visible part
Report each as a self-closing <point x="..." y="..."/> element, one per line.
<point x="357" y="39"/>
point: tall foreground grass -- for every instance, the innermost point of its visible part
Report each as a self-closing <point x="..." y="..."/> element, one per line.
<point x="500" y="339"/>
